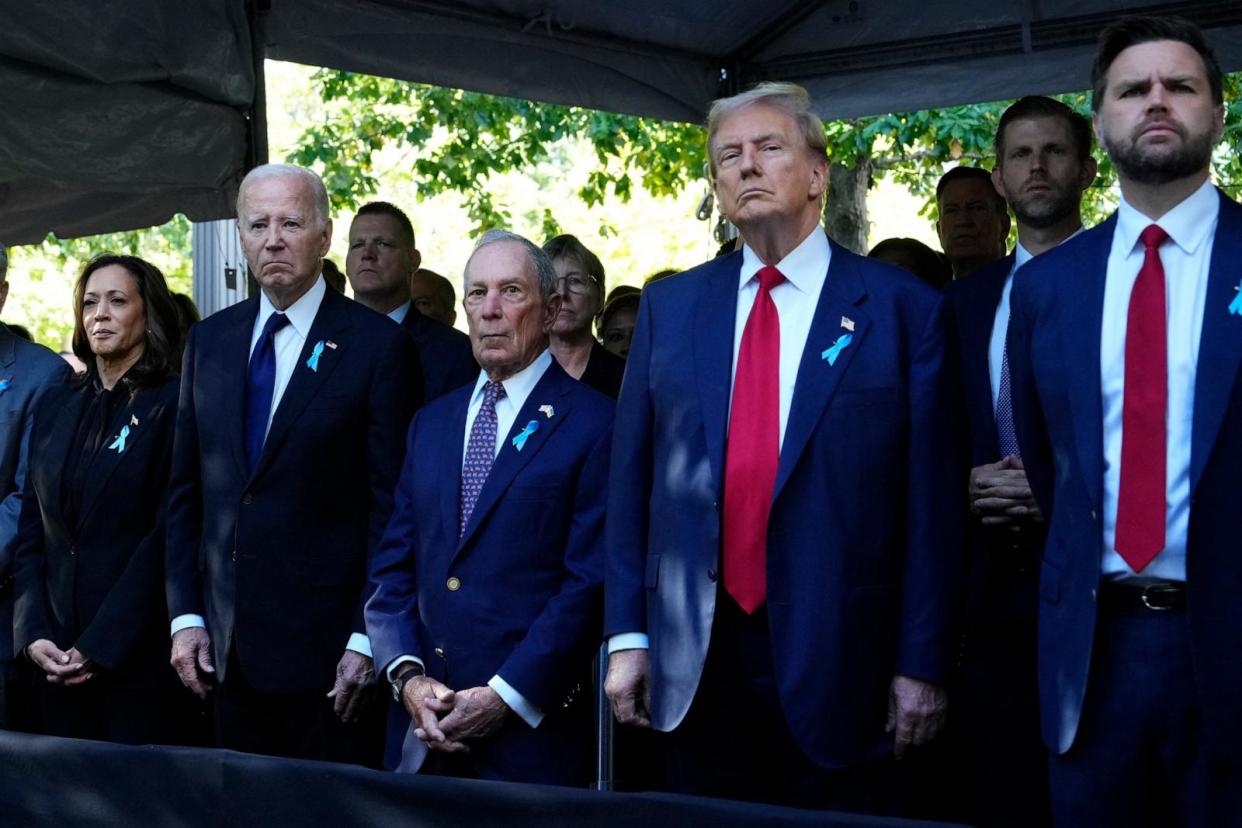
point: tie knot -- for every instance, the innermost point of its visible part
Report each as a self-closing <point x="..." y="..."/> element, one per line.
<point x="274" y="323"/>
<point x="769" y="277"/>
<point x="1153" y="236"/>
<point x="493" y="392"/>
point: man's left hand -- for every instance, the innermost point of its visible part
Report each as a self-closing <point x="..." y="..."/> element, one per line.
<point x="916" y="712"/>
<point x="477" y="713"/>
<point x="355" y="674"/>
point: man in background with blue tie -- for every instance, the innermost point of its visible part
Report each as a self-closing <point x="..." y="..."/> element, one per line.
<point x="1043" y="165"/>
<point x="288" y="446"/>
<point x="489" y="581"/>
<point x="1124" y="348"/>
<point x="782" y="532"/>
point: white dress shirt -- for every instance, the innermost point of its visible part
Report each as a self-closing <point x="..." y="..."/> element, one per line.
<point x="399" y="313"/>
<point x="288" y="344"/>
<point x="805" y="270"/>
<point x="1000" y="325"/>
<point x="1186" y="257"/>
<point x="517" y="389"/>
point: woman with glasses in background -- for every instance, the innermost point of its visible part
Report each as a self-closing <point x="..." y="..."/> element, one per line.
<point x="581" y="285"/>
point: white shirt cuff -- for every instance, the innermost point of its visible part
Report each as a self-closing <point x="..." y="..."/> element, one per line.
<point x="184" y="622"/>
<point x="517" y="702"/>
<point x="627" y="641"/>
<point x="391" y="671"/>
<point x="359" y="643"/>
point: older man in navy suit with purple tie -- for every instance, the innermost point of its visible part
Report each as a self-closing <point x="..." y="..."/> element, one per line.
<point x="489" y="581"/>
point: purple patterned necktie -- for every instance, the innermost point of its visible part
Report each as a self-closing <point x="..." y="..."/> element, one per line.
<point x="480" y="452"/>
<point x="1005" y="431"/>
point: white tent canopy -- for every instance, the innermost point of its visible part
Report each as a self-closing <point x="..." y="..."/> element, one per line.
<point x="117" y="115"/>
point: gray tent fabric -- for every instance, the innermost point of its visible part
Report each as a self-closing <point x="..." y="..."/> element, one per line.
<point x="117" y="114"/>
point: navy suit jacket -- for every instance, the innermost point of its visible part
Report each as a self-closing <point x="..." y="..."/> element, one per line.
<point x="1054" y="359"/>
<point x="529" y="570"/>
<point x="276" y="560"/>
<point x="95" y="580"/>
<point x="445" y="354"/>
<point x="30" y="371"/>
<point x="863" y="538"/>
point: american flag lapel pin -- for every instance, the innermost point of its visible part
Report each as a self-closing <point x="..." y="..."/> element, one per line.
<point x="847" y="323"/>
<point x="330" y="344"/>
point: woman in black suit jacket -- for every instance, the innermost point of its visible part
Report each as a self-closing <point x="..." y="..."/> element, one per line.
<point x="90" y="609"/>
<point x="580" y="278"/>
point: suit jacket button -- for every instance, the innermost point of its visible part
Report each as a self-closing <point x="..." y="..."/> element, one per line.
<point x="73" y="551"/>
<point x="439" y="652"/>
<point x="711" y="575"/>
<point x="247" y="499"/>
<point x="234" y="555"/>
<point x="453" y="584"/>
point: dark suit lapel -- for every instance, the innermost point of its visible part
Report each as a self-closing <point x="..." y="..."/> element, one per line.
<point x="331" y="327"/>
<point x="234" y="368"/>
<point x="1220" y="343"/>
<point x="140" y="415"/>
<point x="976" y="336"/>
<point x="551" y="389"/>
<point x="843" y="290"/>
<point x="713" y="356"/>
<point x="452" y="452"/>
<point x="1080" y="355"/>
<point x="8" y="347"/>
<point x="56" y="444"/>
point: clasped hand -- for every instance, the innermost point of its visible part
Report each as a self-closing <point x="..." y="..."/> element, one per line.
<point x="1001" y="495"/>
<point x="69" y="668"/>
<point x="448" y="720"/>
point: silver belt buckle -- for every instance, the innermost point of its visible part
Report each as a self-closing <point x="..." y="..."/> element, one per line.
<point x="1153" y="591"/>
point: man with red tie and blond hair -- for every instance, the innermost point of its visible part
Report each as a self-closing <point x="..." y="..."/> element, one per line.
<point x="1125" y="345"/>
<point x="782" y="540"/>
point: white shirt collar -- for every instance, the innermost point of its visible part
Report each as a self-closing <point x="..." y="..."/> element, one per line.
<point x="802" y="267"/>
<point x="399" y="313"/>
<point x="301" y="313"/>
<point x="1187" y="224"/>
<point x="517" y="387"/>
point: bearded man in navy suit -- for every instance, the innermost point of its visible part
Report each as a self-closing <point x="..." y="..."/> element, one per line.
<point x="1125" y="345"/>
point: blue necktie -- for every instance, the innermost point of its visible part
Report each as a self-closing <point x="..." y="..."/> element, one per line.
<point x="260" y="383"/>
<point x="480" y="452"/>
<point x="1007" y="435"/>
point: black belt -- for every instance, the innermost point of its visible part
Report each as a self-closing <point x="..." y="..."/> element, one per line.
<point x="1154" y="596"/>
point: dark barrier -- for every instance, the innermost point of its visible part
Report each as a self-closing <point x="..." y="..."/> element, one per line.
<point x="49" y="781"/>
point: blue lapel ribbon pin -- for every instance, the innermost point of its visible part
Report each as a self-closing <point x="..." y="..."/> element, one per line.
<point x="313" y="362"/>
<point x="546" y="410"/>
<point x="4" y="385"/>
<point x="520" y="440"/>
<point x="840" y="345"/>
<point x="1235" y="307"/>
<point x="118" y="445"/>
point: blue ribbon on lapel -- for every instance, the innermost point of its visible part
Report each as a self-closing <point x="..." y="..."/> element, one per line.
<point x="1235" y="307"/>
<point x="313" y="362"/>
<point x="118" y="444"/>
<point x="520" y="440"/>
<point x="840" y="345"/>
<point x="4" y="385"/>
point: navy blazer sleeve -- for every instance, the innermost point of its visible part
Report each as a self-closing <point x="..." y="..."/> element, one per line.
<point x="182" y="577"/>
<point x="542" y="664"/>
<point x="629" y="490"/>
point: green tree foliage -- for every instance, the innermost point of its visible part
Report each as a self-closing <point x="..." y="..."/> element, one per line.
<point x="457" y="139"/>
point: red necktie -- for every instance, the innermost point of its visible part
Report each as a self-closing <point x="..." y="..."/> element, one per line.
<point x="1139" y="533"/>
<point x="754" y="448"/>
